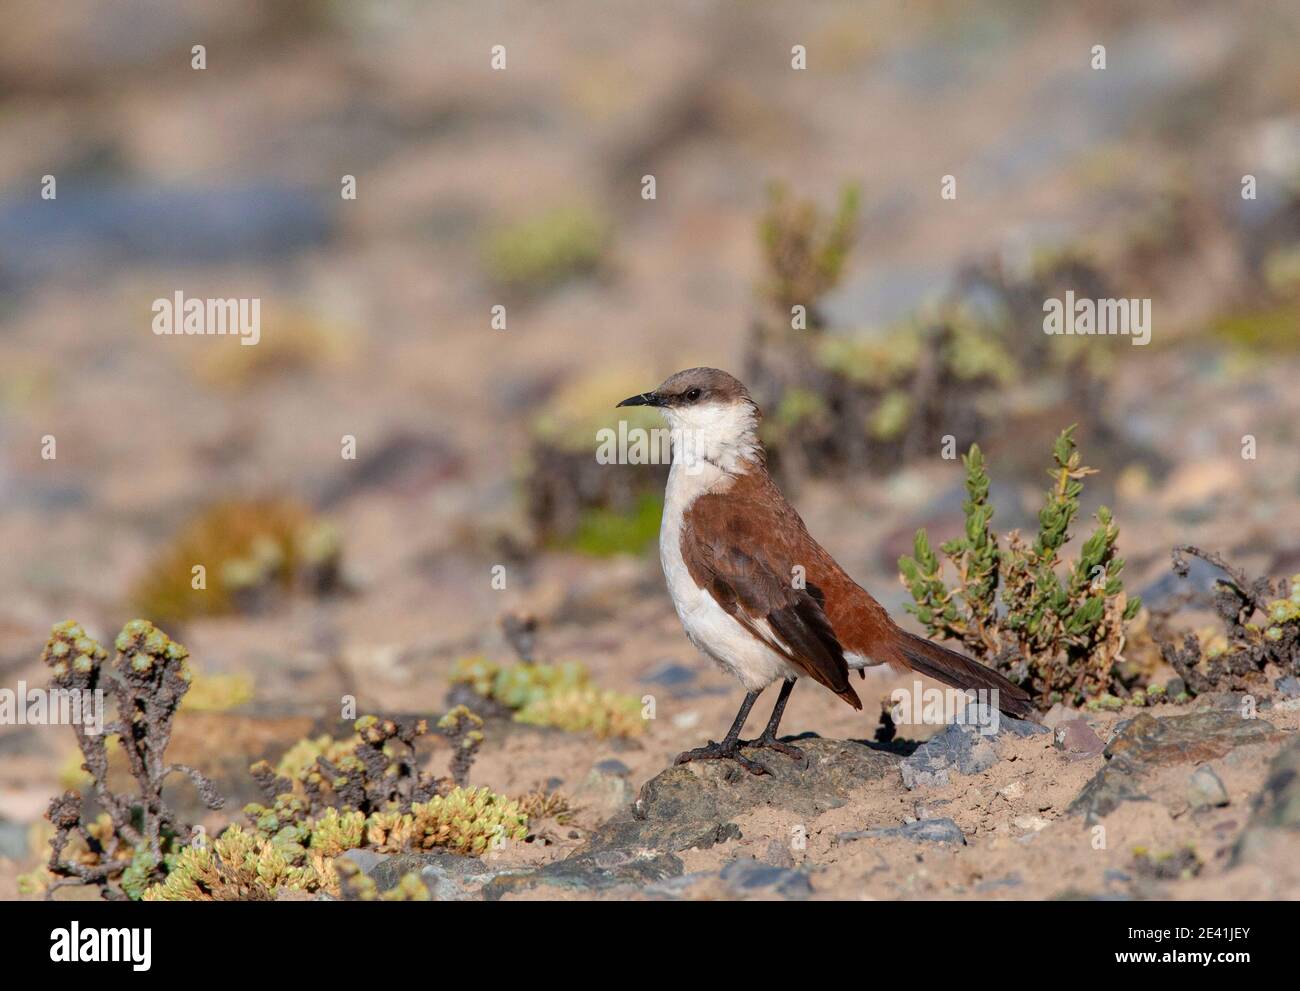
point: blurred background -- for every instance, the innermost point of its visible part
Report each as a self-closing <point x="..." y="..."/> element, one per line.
<point x="523" y="188"/>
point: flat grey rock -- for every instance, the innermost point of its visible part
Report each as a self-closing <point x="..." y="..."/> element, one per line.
<point x="693" y="805"/>
<point x="999" y="884"/>
<point x="448" y="876"/>
<point x="1288" y="687"/>
<point x="921" y="831"/>
<point x="745" y="875"/>
<point x="1144" y="743"/>
<point x="588" y="872"/>
<point x="962" y="748"/>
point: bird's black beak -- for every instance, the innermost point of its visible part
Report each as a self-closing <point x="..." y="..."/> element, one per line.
<point x="645" y="399"/>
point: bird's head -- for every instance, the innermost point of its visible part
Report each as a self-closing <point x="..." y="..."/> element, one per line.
<point x="712" y="417"/>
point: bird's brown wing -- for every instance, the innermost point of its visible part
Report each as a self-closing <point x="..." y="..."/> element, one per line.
<point x="736" y="548"/>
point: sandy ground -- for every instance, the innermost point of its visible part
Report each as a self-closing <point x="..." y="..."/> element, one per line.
<point x="152" y="429"/>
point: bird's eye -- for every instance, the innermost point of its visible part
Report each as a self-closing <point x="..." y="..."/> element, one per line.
<point x="693" y="395"/>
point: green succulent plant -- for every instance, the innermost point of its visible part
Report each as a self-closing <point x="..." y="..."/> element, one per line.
<point x="1010" y="606"/>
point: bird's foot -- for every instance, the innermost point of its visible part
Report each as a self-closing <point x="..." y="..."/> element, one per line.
<point x="726" y="750"/>
<point x="766" y="742"/>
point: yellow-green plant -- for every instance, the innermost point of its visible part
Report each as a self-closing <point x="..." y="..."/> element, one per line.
<point x="517" y="685"/>
<point x="127" y="844"/>
<point x="541" y="251"/>
<point x="465" y="820"/>
<point x="556" y="695"/>
<point x="249" y="552"/>
<point x="243" y="866"/>
<point x="1057" y="635"/>
<point x="586" y="710"/>
<point x="804" y="249"/>
<point x="326" y="796"/>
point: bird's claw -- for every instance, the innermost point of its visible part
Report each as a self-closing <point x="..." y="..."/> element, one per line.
<point x="722" y="751"/>
<point x="772" y="743"/>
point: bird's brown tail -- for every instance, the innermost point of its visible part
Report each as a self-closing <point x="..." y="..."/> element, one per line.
<point x="959" y="671"/>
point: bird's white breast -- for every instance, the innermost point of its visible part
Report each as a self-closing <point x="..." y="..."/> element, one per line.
<point x="707" y="624"/>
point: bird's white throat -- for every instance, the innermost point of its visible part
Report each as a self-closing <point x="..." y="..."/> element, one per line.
<point x="723" y="436"/>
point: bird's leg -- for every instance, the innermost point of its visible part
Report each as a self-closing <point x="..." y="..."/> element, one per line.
<point x="768" y="738"/>
<point x="728" y="749"/>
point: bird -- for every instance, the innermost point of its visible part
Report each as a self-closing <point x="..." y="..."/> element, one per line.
<point x="754" y="591"/>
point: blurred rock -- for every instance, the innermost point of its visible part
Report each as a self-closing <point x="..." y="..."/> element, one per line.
<point x="1169" y="590"/>
<point x="1205" y="790"/>
<point x="777" y="854"/>
<point x="921" y="831"/>
<point x="1277" y="808"/>
<point x="1077" y="739"/>
<point x="1288" y="687"/>
<point x="448" y="876"/>
<point x="13" y="840"/>
<point x="110" y="226"/>
<point x="670" y="675"/>
<point x="997" y="884"/>
<point x="606" y="788"/>
<point x="745" y="875"/>
<point x="590" y="872"/>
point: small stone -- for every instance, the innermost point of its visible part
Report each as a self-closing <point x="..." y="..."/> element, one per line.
<point x="1175" y="687"/>
<point x="1010" y="881"/>
<point x="992" y="724"/>
<point x="1030" y="824"/>
<point x="1205" y="790"/>
<point x="670" y="675"/>
<point x="686" y="720"/>
<point x="922" y="831"/>
<point x="606" y="787"/>
<point x="959" y="749"/>
<point x="448" y="876"/>
<point x="966" y="747"/>
<point x="1015" y="789"/>
<point x="1235" y="702"/>
<point x="1076" y="738"/>
<point x="778" y="854"/>
<point x="745" y="875"/>
<point x="365" y="859"/>
<point x="1288" y="687"/>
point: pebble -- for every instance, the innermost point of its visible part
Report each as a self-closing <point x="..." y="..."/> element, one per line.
<point x="921" y="831"/>
<point x="1205" y="790"/>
